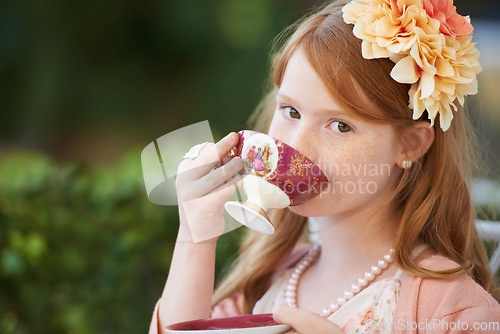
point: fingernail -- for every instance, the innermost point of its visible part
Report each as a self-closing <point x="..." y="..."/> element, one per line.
<point x="228" y="137"/>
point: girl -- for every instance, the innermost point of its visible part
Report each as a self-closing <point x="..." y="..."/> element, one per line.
<point x="350" y="89"/>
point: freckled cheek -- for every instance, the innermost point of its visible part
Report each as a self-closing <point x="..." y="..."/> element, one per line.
<point x="334" y="158"/>
<point x="344" y="162"/>
<point x="308" y="148"/>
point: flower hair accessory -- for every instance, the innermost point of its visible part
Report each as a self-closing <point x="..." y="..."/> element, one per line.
<point x="429" y="42"/>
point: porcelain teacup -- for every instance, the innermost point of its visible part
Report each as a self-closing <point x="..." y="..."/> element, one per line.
<point x="275" y="176"/>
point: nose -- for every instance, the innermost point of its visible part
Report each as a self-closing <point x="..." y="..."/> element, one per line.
<point x="302" y="139"/>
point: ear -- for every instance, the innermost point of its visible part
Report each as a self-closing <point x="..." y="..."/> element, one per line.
<point x="417" y="140"/>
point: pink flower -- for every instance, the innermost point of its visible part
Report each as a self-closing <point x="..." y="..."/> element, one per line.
<point x="452" y="23"/>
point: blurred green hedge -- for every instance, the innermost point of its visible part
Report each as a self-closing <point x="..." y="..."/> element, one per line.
<point x="82" y="250"/>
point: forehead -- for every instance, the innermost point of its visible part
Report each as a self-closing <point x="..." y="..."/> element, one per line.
<point x="335" y="87"/>
<point x="302" y="83"/>
<point x="306" y="89"/>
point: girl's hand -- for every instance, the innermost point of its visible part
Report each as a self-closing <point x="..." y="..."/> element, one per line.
<point x="305" y="322"/>
<point x="203" y="186"/>
<point x="228" y="307"/>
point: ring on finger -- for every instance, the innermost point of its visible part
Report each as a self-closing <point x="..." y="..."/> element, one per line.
<point x="194" y="151"/>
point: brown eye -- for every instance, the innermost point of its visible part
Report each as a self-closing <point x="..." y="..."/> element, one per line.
<point x="340" y="127"/>
<point x="292" y="112"/>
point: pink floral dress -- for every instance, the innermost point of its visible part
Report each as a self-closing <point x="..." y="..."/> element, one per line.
<point x="369" y="312"/>
<point x="372" y="311"/>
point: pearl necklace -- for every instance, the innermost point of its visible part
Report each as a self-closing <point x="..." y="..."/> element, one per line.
<point x="357" y="287"/>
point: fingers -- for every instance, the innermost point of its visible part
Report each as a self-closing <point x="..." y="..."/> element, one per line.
<point x="204" y="215"/>
<point x="305" y="322"/>
<point x="224" y="161"/>
<point x="224" y="191"/>
<point x="212" y="154"/>
<point x="226" y="308"/>
<point x="221" y="175"/>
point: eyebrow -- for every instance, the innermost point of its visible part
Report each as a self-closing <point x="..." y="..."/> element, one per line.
<point x="338" y="111"/>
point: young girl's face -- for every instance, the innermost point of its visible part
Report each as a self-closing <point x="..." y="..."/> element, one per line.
<point x="359" y="157"/>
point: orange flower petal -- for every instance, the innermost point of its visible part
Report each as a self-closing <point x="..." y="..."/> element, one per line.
<point x="405" y="71"/>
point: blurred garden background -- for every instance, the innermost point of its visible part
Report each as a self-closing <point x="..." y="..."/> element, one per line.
<point x="84" y="87"/>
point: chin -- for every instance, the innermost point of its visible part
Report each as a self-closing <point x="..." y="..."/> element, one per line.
<point x="313" y="208"/>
